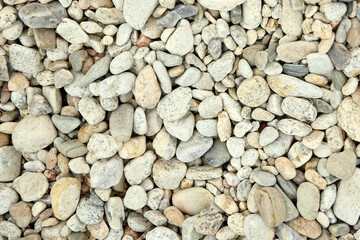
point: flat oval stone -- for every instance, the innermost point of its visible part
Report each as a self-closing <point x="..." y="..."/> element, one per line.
<point x="147" y="89"/>
<point x="294" y="127"/>
<point x="288" y="86"/>
<point x="311" y="229"/>
<point x="295" y="51"/>
<point x="308" y="200"/>
<point x="32" y="134"/>
<point x="37" y="15"/>
<point x="10" y="163"/>
<point x="65" y="196"/>
<point x="192" y="200"/>
<point x="341" y="165"/>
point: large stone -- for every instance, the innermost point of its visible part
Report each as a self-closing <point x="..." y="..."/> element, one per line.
<point x="32" y="134"/>
<point x="72" y="32"/>
<point x="65" y="195"/>
<point x="37" y="15"/>
<point x="341" y="165"/>
<point x="137" y="12"/>
<point x="308" y="200"/>
<point x="295" y="51"/>
<point x="10" y="163"/>
<point x="31" y="186"/>
<point x="346" y="206"/>
<point x="24" y="59"/>
<point x="253" y="92"/>
<point x="181" y="41"/>
<point x="220" y="68"/>
<point x="291" y="19"/>
<point x="192" y="200"/>
<point x="348" y="116"/>
<point x="194" y="148"/>
<point x="288" y="86"/>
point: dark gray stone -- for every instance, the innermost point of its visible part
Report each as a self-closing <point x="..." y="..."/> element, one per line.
<point x="288" y="187"/>
<point x="296" y="70"/>
<point x="218" y="154"/>
<point x="322" y="106"/>
<point x="339" y="55"/>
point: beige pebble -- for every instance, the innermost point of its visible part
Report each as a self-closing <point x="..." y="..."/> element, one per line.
<point x="285" y="167"/>
<point x="133" y="148"/>
<point x="226" y="203"/>
<point x="174" y="215"/>
<point x="18" y="82"/>
<point x="314" y="177"/>
<point x="224" y="126"/>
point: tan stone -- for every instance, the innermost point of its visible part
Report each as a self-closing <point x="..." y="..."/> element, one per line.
<point x="295" y="51"/>
<point x="348" y="116"/>
<point x="271" y="206"/>
<point x="224" y="126"/>
<point x="226" y="203"/>
<point x="174" y="215"/>
<point x="356" y="96"/>
<point x="4" y="139"/>
<point x="322" y="30"/>
<point x="65" y="195"/>
<point x="285" y="167"/>
<point x="316" y="79"/>
<point x="353" y="37"/>
<point x="314" y="139"/>
<point x="21" y="213"/>
<point x="133" y="148"/>
<point x="325" y="44"/>
<point x="192" y="200"/>
<point x="17" y="82"/>
<point x="147" y="89"/>
<point x="342" y="165"/>
<point x="87" y="130"/>
<point x="45" y="38"/>
<point x="314" y="177"/>
<point x="311" y="229"/>
<point x="99" y="231"/>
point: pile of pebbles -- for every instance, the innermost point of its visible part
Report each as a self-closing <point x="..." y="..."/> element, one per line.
<point x="179" y="119"/>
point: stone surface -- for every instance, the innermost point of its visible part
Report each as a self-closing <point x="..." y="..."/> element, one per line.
<point x="65" y="195"/>
<point x="175" y="105"/>
<point x="147" y="89"/>
<point x="253" y="92"/>
<point x="181" y="41"/>
<point x="295" y="51"/>
<point x="10" y="163"/>
<point x="24" y="59"/>
<point x="192" y="200"/>
<point x="308" y="200"/>
<point x="36" y="15"/>
<point x="167" y="174"/>
<point x="194" y="148"/>
<point x="88" y="212"/>
<point x="220" y="5"/>
<point x="341" y="165"/>
<point x="106" y="173"/>
<point x="255" y="228"/>
<point x="8" y="197"/>
<point x="31" y="186"/>
<point x="136" y="13"/>
<point x="220" y="68"/>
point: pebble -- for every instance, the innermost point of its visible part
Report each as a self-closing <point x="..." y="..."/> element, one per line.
<point x="21" y="213"/>
<point x="167" y="174"/>
<point x="251" y="14"/>
<point x="162" y="233"/>
<point x="121" y="122"/>
<point x="284" y="232"/>
<point x="253" y="92"/>
<point x="280" y="146"/>
<point x="32" y="134"/>
<point x="268" y="135"/>
<point x="255" y="228"/>
<point x="263" y="178"/>
<point x="111" y="168"/>
<point x="9" y="230"/>
<point x="352" y="68"/>
<point x="347" y="116"/>
<point x="341" y="169"/>
<point x="299" y="109"/>
<point x="71" y="31"/>
<point x="295" y="70"/>
<point x="163" y="76"/>
<point x="334" y="11"/>
<point x="308" y="200"/>
<point x="174" y="216"/>
<point x="10" y="162"/>
<point x="288" y="86"/>
<point x="139" y="168"/>
<point x="31" y="186"/>
<point x="353" y="34"/>
<point x="24" y="59"/>
<point x="271" y="206"/>
<point x="285" y="167"/>
<point x="156" y="217"/>
<point x="136" y="13"/>
<point x="65" y="124"/>
<point x="102" y="146"/>
<point x="114" y="212"/>
<point x="121" y="63"/>
<point x="192" y="200"/>
<point x="295" y="51"/>
<point x="175" y="105"/>
<point x="37" y="15"/>
<point x="294" y="127"/>
<point x="65" y="195"/>
<point x="217" y="154"/>
<point x="220" y="68"/>
<point x="147" y="90"/>
<point x="339" y="55"/>
<point x="73" y="148"/>
<point x="182" y="128"/>
<point x="235" y="146"/>
<point x="89" y="213"/>
<point x="208" y="222"/>
<point x="117" y="85"/>
<point x="319" y="63"/>
<point x="8" y="197"/>
<point x="189" y="77"/>
<point x="309" y="228"/>
<point x="91" y="110"/>
<point x="135" y="197"/>
<point x="194" y="148"/>
<point x="291" y="18"/>
<point x="181" y="41"/>
<point x="79" y="166"/>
